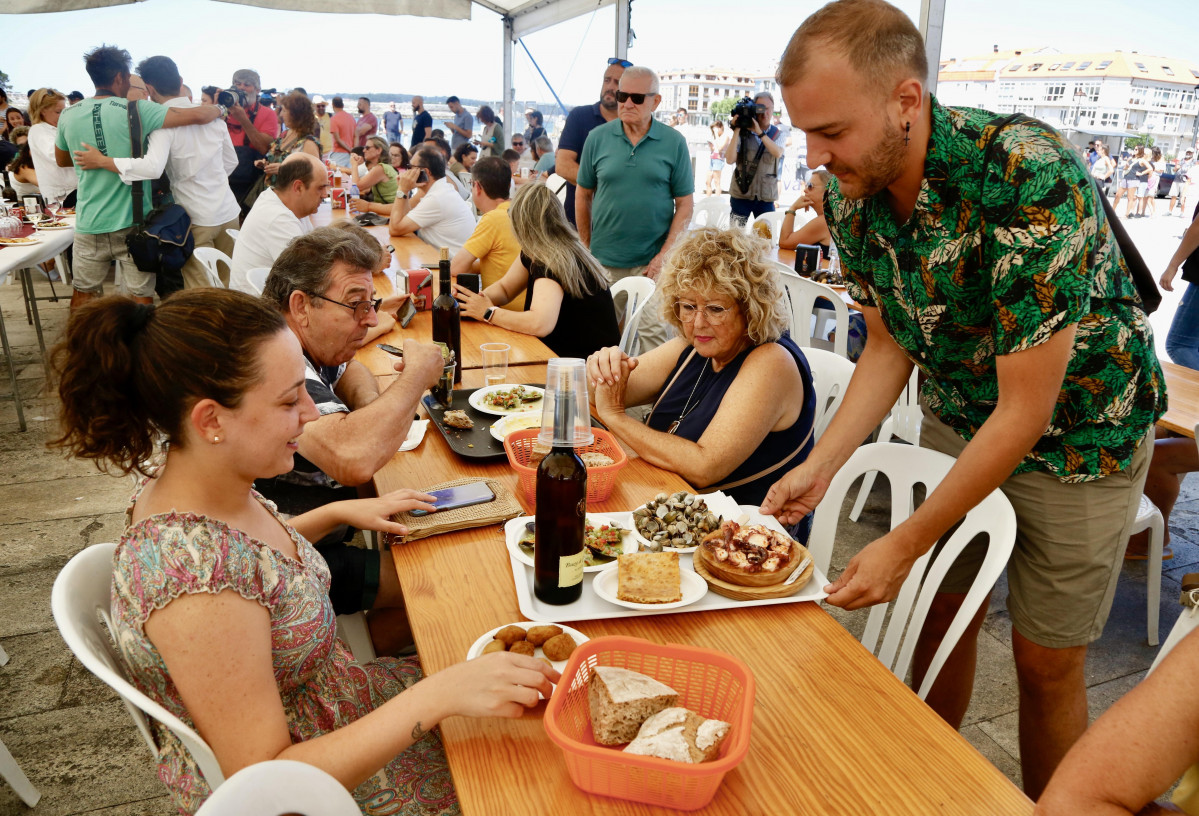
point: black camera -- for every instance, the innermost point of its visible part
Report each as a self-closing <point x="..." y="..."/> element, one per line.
<point x="231" y="97"/>
<point x="744" y="113"/>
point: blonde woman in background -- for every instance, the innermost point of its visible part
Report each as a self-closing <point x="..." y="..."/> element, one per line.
<point x="55" y="182"/>
<point x="567" y="304"/>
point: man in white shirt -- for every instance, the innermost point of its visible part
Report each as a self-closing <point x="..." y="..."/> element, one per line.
<point x="279" y="215"/>
<point x="198" y="160"/>
<point x="435" y="208"/>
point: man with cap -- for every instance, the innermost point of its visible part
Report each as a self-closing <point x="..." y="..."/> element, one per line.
<point x="323" y="118"/>
<point x="581" y="121"/>
<point x="252" y="129"/>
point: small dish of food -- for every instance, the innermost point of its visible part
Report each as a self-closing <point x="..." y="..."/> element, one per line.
<point x="19" y="241"/>
<point x="523" y="421"/>
<point x="674" y="522"/>
<point x="603" y="539"/>
<point x="501" y="400"/>
<point x="647" y="577"/>
<point x="749" y="554"/>
<point x="551" y="642"/>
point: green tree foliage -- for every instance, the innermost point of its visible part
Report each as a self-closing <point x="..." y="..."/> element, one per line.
<point x="5" y="83"/>
<point x="721" y="108"/>
<point x="1140" y="140"/>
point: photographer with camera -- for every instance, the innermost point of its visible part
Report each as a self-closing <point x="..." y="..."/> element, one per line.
<point x="252" y="128"/>
<point x="755" y="152"/>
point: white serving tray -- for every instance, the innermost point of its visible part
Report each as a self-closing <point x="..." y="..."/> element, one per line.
<point x="592" y="607"/>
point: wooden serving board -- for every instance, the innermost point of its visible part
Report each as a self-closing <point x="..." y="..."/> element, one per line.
<point x="750" y="593"/>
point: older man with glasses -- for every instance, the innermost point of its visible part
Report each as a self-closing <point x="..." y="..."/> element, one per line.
<point x="322" y="285"/>
<point x="635" y="187"/>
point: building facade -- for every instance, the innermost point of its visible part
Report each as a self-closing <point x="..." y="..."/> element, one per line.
<point x="697" y="88"/>
<point x="1108" y="95"/>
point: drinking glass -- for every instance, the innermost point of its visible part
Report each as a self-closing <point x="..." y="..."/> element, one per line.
<point x="495" y="363"/>
<point x="54" y="204"/>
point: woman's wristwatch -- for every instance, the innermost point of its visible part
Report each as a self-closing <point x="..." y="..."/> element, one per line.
<point x="487" y="314"/>
<point x="791" y="212"/>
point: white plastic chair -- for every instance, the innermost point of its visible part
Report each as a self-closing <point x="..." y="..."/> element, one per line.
<point x="257" y="279"/>
<point x="712" y="211"/>
<point x="637" y="290"/>
<point x="904" y="423"/>
<point x="1151" y="519"/>
<point x="232" y="233"/>
<point x="905" y="467"/>
<point x="10" y="771"/>
<point x="82" y="591"/>
<point x="802" y="295"/>
<point x="210" y="257"/>
<point x="830" y="379"/>
<point x="280" y="786"/>
<point x="558" y="184"/>
<point x="775" y="220"/>
<point x="1186" y="623"/>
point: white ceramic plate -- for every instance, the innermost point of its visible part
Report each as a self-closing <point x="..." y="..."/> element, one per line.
<point x="476" y="400"/>
<point x="476" y="649"/>
<point x="630" y="541"/>
<point x="27" y="240"/>
<point x="516" y="422"/>
<point x="694" y="587"/>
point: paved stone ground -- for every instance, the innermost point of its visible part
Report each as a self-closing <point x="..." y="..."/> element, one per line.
<point x="78" y="745"/>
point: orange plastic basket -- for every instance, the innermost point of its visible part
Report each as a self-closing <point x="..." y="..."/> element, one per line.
<point x="709" y="683"/>
<point x="600" y="480"/>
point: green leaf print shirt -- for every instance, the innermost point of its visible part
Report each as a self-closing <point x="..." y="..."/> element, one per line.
<point x="1048" y="259"/>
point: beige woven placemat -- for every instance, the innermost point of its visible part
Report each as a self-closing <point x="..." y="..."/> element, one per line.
<point x="504" y="507"/>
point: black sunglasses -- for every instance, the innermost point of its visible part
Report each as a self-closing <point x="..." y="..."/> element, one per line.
<point x="623" y="63"/>
<point x="638" y="99"/>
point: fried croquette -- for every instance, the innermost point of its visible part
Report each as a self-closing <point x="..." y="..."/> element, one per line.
<point x="537" y="635"/>
<point x="495" y="646"/>
<point x="559" y="647"/>
<point x="522" y="647"/>
<point x="510" y="634"/>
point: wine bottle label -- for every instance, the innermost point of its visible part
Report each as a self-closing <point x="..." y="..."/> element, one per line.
<point x="570" y="569"/>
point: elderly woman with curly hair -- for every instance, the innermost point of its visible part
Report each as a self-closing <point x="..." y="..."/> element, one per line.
<point x="732" y="396"/>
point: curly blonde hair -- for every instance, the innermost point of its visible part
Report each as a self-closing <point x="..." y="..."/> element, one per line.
<point x="727" y="262"/>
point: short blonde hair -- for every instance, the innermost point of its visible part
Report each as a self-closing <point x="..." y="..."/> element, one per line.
<point x="43" y="100"/>
<point x="732" y="263"/>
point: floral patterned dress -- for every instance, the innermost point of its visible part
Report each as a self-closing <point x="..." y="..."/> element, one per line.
<point x="322" y="687"/>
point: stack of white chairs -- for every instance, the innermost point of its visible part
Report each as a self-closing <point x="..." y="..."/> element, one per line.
<point x="808" y="326"/>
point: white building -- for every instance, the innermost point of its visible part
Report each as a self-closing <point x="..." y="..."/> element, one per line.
<point x="1110" y="95"/>
<point x="697" y="88"/>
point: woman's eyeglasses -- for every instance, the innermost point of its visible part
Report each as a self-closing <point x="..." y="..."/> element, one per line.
<point x="713" y="313"/>
<point x="638" y="99"/>
<point x="360" y="308"/>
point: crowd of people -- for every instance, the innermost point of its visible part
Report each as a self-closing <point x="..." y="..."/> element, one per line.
<point x="254" y="424"/>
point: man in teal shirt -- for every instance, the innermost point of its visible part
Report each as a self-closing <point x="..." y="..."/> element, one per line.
<point x="105" y="205"/>
<point x="634" y="192"/>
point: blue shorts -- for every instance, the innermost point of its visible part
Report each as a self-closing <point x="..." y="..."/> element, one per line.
<point x="716" y="164"/>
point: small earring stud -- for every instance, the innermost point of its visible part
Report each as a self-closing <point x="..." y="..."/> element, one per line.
<point x="216" y="439"/>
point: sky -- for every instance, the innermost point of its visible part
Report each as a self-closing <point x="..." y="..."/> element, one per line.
<point x="359" y="54"/>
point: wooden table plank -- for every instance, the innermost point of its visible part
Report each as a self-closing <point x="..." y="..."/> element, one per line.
<point x="834" y="732"/>
<point x="1182" y="389"/>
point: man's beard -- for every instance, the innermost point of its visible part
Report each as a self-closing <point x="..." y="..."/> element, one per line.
<point x="882" y="166"/>
<point x="608" y="101"/>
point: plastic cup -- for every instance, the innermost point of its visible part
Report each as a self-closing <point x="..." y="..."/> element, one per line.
<point x="566" y="410"/>
<point x="495" y="362"/>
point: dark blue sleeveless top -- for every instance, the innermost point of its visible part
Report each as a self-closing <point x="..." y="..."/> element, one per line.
<point x="779" y="451"/>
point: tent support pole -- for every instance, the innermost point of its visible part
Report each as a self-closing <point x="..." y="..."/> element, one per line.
<point x="932" y="26"/>
<point x="509" y="90"/>
<point x="622" y="28"/>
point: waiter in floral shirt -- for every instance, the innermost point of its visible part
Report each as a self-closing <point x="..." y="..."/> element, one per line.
<point x="982" y="256"/>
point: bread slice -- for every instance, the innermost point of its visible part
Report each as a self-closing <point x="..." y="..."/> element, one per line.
<point x="679" y="735"/>
<point x="649" y="577"/>
<point x="621" y="700"/>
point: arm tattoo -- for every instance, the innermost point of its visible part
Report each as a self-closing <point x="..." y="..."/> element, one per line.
<point x="418" y="732"/>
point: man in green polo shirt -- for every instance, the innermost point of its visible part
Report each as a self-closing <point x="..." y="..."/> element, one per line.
<point x="997" y="274"/>
<point x="105" y="205"/>
<point x="634" y="192"/>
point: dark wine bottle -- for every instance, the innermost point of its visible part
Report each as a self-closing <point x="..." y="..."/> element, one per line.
<point x="446" y="319"/>
<point x="561" y="514"/>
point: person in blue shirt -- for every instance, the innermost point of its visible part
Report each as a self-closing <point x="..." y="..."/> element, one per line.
<point x="581" y="121"/>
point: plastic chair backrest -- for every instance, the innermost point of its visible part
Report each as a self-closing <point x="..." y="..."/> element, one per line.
<point x="830" y="379"/>
<point x="638" y="290"/>
<point x="82" y="591"/>
<point x="280" y="786"/>
<point x="210" y="257"/>
<point x="905" y="467"/>
<point x="232" y="233"/>
<point x="775" y="220"/>
<point x="558" y="185"/>
<point x="714" y="211"/>
<point x="1186" y="623"/>
<point x="256" y="278"/>
<point x="802" y="295"/>
<point x="906" y="417"/>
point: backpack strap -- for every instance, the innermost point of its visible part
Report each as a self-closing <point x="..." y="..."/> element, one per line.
<point x="135" y="141"/>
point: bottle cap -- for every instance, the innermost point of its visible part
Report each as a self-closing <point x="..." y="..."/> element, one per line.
<point x="566" y="409"/>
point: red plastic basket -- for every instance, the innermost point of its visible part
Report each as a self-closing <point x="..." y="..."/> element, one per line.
<point x="600" y="480"/>
<point x="709" y="683"/>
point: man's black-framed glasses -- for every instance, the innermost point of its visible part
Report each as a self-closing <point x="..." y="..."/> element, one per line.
<point x="638" y="99"/>
<point x="360" y="308"/>
<point x="623" y="63"/>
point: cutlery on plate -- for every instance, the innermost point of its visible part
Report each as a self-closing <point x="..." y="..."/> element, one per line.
<point x="803" y="565"/>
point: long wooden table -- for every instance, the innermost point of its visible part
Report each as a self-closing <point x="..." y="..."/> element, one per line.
<point x="1182" y="388"/>
<point x="833" y="731"/>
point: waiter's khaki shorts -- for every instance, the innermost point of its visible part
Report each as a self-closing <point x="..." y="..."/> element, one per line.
<point x="1070" y="542"/>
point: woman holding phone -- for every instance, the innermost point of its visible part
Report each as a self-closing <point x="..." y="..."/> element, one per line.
<point x="220" y="607"/>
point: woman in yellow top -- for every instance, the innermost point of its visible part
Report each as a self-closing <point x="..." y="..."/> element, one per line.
<point x="379" y="177"/>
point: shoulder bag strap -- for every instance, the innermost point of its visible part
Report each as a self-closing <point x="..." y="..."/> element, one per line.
<point x="669" y="384"/>
<point x="767" y="471"/>
<point x="135" y="141"/>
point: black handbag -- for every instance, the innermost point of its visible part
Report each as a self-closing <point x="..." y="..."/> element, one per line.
<point x="162" y="242"/>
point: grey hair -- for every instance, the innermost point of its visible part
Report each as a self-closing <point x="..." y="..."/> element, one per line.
<point x="544" y="145"/>
<point x="638" y="71"/>
<point x="764" y="95"/>
<point x="306" y="265"/>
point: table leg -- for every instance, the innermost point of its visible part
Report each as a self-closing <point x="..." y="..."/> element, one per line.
<point x="31" y="304"/>
<point x="12" y="372"/>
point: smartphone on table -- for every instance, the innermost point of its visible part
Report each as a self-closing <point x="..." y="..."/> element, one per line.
<point x="451" y="498"/>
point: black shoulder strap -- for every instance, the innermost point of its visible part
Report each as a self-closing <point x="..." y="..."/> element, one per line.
<point x="135" y="141"/>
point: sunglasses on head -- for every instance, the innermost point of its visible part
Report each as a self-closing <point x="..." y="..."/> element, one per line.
<point x="623" y="63"/>
<point x="638" y="99"/>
